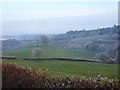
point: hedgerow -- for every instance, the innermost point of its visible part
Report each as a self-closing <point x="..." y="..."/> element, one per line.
<point x="14" y="76"/>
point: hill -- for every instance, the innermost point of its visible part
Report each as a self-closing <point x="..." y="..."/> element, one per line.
<point x="95" y="40"/>
<point x="98" y="40"/>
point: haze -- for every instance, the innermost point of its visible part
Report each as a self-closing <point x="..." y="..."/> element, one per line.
<point x="56" y="17"/>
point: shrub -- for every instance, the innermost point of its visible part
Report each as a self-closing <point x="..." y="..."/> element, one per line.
<point x="37" y="52"/>
<point x="19" y="77"/>
<point x="103" y="57"/>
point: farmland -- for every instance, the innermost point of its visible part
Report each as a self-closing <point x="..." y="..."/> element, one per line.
<point x="57" y="73"/>
<point x="62" y="68"/>
<point x="53" y="52"/>
<point x="68" y="68"/>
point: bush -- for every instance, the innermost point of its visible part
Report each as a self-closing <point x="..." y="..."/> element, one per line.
<point x="37" y="52"/>
<point x="19" y="77"/>
<point x="14" y="76"/>
<point x="103" y="57"/>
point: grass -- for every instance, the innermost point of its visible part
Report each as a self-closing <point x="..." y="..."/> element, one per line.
<point x="50" y="52"/>
<point x="63" y="68"/>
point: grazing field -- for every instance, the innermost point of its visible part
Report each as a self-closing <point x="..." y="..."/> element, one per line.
<point x="53" y="52"/>
<point x="64" y="68"/>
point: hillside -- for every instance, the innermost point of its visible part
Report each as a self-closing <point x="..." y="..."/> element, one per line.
<point x="98" y="40"/>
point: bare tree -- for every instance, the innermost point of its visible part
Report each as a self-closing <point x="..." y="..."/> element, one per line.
<point x="38" y="40"/>
<point x="117" y="49"/>
<point x="116" y="56"/>
<point x="37" y="52"/>
<point x="44" y="40"/>
<point x="103" y="57"/>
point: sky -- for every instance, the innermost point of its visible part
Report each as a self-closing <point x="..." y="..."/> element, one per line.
<point x="59" y="0"/>
<point x="55" y="17"/>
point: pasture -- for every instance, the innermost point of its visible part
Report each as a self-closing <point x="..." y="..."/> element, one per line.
<point x="54" y="52"/>
<point x="70" y="68"/>
<point x="62" y="68"/>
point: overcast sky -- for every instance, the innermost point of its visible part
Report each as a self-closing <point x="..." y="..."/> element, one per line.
<point x="14" y="14"/>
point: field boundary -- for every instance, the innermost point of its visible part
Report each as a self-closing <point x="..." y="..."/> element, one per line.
<point x="59" y="59"/>
<point x="51" y="59"/>
<point x="8" y="57"/>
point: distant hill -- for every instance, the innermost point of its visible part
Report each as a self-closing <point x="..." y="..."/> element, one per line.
<point x="89" y="33"/>
<point x="98" y="40"/>
<point x="21" y="37"/>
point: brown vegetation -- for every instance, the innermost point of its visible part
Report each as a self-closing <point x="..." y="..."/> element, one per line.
<point x="19" y="77"/>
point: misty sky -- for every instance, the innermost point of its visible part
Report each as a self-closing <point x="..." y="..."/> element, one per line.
<point x="56" y="17"/>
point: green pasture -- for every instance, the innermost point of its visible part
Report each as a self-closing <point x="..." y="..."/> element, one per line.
<point x="64" y="68"/>
<point x="24" y="52"/>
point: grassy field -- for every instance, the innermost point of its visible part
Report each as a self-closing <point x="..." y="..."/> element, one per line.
<point x="24" y="52"/>
<point x="63" y="68"/>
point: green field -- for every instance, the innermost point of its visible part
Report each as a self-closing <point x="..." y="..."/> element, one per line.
<point x="53" y="52"/>
<point x="63" y="68"/>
